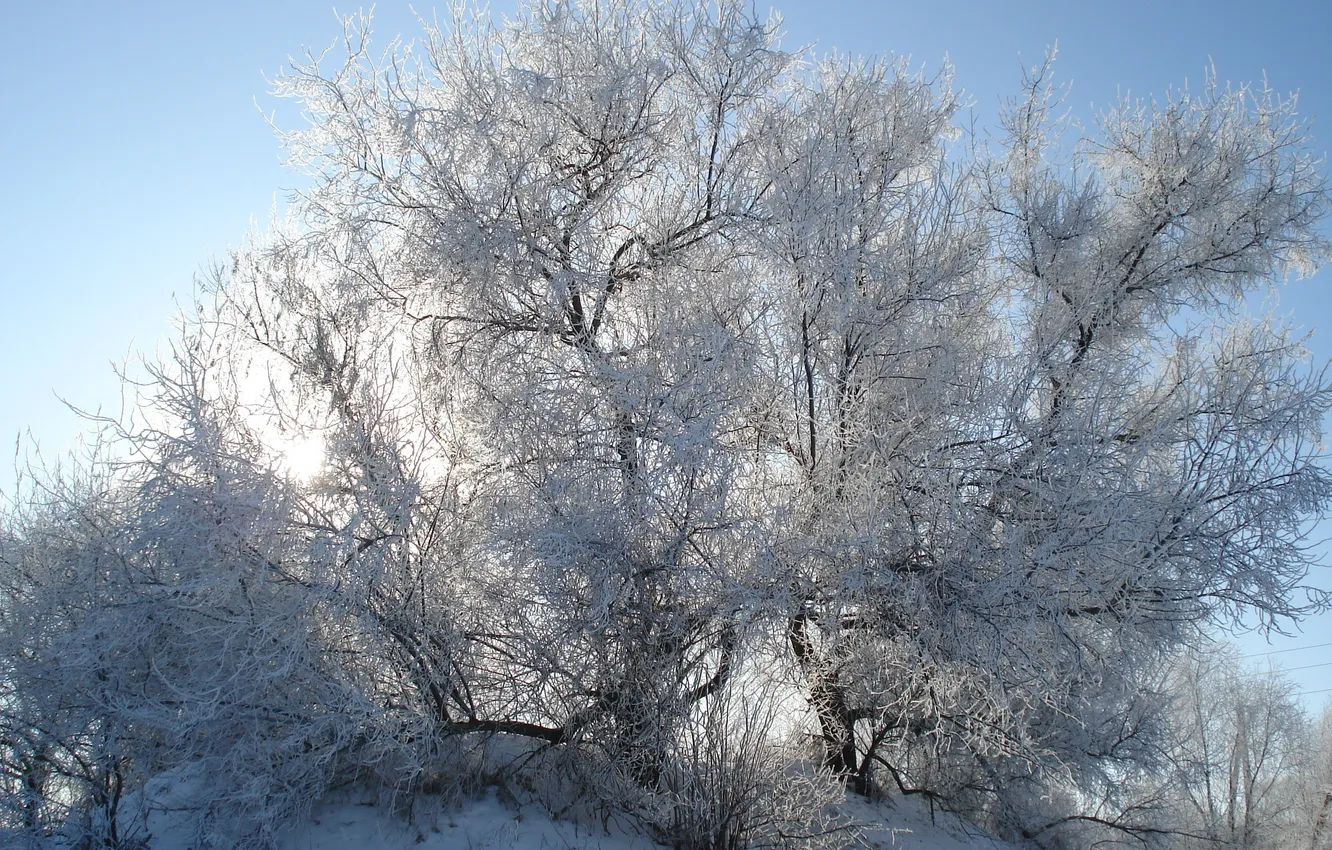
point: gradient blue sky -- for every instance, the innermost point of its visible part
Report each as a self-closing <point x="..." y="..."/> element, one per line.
<point x="136" y="153"/>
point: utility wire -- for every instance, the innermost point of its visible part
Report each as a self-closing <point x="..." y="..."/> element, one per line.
<point x="1309" y="666"/>
<point x="1292" y="649"/>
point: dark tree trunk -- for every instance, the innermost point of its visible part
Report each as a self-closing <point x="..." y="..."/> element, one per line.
<point x="827" y="698"/>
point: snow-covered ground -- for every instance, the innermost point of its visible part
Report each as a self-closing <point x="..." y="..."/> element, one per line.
<point x="487" y="823"/>
<point x="907" y="823"/>
<point x="355" y="820"/>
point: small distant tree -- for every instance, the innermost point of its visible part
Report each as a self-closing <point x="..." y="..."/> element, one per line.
<point x="639" y="345"/>
<point x="1311" y="823"/>
<point x="1242" y="752"/>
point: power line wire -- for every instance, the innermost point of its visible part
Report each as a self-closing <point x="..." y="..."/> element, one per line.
<point x="1292" y="649"/>
<point x="1309" y="666"/>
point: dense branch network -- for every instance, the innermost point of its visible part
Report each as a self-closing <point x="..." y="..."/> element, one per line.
<point x="653" y="362"/>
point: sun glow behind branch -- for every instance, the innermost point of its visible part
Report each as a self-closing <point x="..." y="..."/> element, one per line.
<point x="302" y="456"/>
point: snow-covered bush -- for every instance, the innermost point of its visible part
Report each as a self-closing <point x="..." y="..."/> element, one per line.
<point x="733" y="784"/>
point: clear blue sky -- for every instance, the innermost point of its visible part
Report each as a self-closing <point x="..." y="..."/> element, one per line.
<point x="135" y="153"/>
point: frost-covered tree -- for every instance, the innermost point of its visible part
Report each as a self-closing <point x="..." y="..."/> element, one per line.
<point x="64" y="759"/>
<point x="1073" y="455"/>
<point x="650" y="359"/>
<point x="149" y="631"/>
